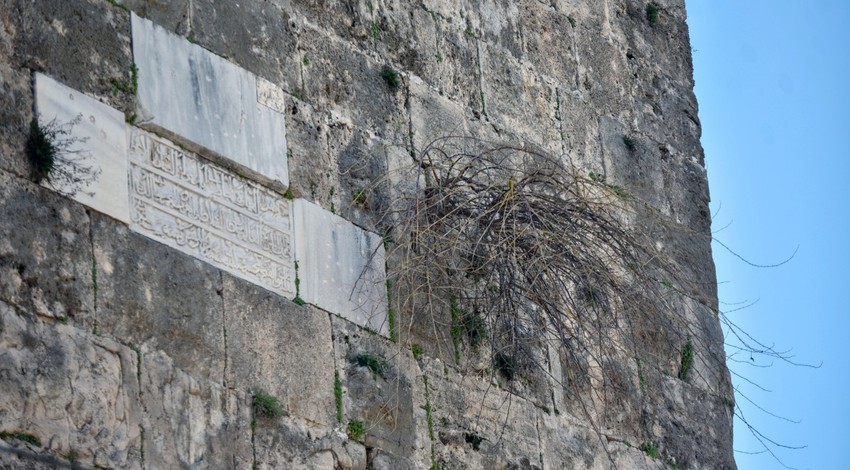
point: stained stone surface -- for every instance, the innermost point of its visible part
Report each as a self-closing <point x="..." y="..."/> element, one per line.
<point x="269" y="341"/>
<point x="203" y="210"/>
<point x="206" y="101"/>
<point x="74" y="391"/>
<point x="100" y="138"/>
<point x="341" y="266"/>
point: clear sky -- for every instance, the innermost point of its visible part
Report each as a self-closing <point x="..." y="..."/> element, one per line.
<point x="773" y="85"/>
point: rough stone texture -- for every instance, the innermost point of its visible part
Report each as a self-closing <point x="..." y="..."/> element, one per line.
<point x="149" y="294"/>
<point x="74" y="391"/>
<point x="191" y="423"/>
<point x="572" y="78"/>
<point x="270" y="342"/>
<point x="388" y="401"/>
<point x="45" y="253"/>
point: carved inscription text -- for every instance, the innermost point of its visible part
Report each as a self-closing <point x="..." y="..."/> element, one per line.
<point x="208" y="212"/>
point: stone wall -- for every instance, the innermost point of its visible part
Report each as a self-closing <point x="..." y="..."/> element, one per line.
<point x="124" y="346"/>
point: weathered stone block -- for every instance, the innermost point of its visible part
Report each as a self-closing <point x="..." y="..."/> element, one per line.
<point x="271" y="342"/>
<point x="346" y="81"/>
<point x="76" y="392"/>
<point x="205" y="211"/>
<point x="341" y="266"/>
<point x="101" y="140"/>
<point x="383" y="389"/>
<point x="15" y="114"/>
<point x="261" y="37"/>
<point x="206" y="102"/>
<point x="518" y="99"/>
<point x="84" y="44"/>
<point x="173" y="15"/>
<point x="150" y="294"/>
<point x="478" y="425"/>
<point x="294" y="444"/>
<point x="189" y="422"/>
<point x="45" y="252"/>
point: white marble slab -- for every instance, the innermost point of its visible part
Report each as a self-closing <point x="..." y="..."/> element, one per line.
<point x="208" y="212"/>
<point x="197" y="97"/>
<point x="341" y="266"/>
<point x="101" y="141"/>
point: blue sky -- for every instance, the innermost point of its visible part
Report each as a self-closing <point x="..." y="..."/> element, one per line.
<point x="772" y="81"/>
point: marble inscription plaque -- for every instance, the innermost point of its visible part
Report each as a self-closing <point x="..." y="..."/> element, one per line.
<point x="208" y="103"/>
<point x="201" y="209"/>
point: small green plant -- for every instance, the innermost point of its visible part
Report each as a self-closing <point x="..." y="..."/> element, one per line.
<point x="469" y="32"/>
<point x="359" y="198"/>
<point x="504" y="364"/>
<point x="132" y="87"/>
<point x="572" y="21"/>
<point x="289" y="194"/>
<point x="687" y="360"/>
<point x="374" y="363"/>
<point x="649" y="449"/>
<point x="41" y="151"/>
<point x="439" y="56"/>
<point x="297" y="299"/>
<point x="391" y="76"/>
<point x="118" y="5"/>
<point x="134" y="78"/>
<point x="131" y="118"/>
<point x="356" y="429"/>
<point x="191" y="37"/>
<point x="376" y="35"/>
<point x="417" y="350"/>
<point x="338" y="397"/>
<point x="652" y="13"/>
<point x="265" y="405"/>
<point x="619" y="191"/>
<point x="630" y="143"/>
<point x="56" y="159"/>
<point x="71" y="457"/>
<point x="21" y="436"/>
<point x="306" y="60"/>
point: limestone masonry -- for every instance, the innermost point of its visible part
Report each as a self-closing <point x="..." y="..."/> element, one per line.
<point x="235" y="250"/>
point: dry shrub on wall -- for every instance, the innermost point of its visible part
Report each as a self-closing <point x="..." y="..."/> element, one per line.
<point x="502" y="252"/>
<point x="504" y="248"/>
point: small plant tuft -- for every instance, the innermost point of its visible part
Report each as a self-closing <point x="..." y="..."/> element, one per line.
<point x="338" y="397"/>
<point x="374" y="363"/>
<point x="359" y="198"/>
<point x="572" y="21"/>
<point x="687" y="360"/>
<point x="55" y="158"/>
<point x="41" y="151"/>
<point x="417" y="350"/>
<point x="630" y="143"/>
<point x="649" y="449"/>
<point x="265" y="405"/>
<point x="652" y="13"/>
<point x="297" y="300"/>
<point x="21" y="436"/>
<point x="356" y="429"/>
<point x="289" y="194"/>
<point x="391" y="76"/>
